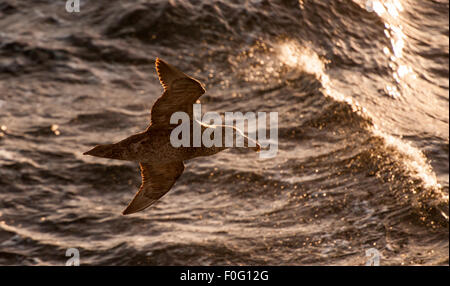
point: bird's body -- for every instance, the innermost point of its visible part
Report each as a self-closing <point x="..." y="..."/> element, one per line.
<point x="151" y="146"/>
<point x="161" y="163"/>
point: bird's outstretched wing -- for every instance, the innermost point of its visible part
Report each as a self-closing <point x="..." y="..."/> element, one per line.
<point x="156" y="182"/>
<point x="180" y="93"/>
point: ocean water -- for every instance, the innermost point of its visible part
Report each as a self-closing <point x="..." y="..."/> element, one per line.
<point x="361" y="89"/>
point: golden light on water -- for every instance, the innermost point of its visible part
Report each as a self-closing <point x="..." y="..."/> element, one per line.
<point x="414" y="160"/>
<point x="268" y="63"/>
<point x="55" y="128"/>
<point x="2" y="130"/>
<point x="291" y="56"/>
<point x="392" y="7"/>
<point x="288" y="54"/>
<point x="390" y="11"/>
<point x="296" y="56"/>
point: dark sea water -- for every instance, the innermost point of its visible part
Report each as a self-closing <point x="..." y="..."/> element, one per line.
<point x="362" y="92"/>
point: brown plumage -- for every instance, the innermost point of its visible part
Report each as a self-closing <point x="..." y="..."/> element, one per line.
<point x="161" y="163"/>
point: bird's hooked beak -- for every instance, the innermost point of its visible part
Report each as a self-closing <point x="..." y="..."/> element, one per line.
<point x="257" y="148"/>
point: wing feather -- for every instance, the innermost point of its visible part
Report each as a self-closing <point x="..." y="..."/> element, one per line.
<point x="180" y="93"/>
<point x="156" y="182"/>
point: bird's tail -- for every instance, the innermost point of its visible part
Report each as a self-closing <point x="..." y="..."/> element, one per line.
<point x="112" y="151"/>
<point x="123" y="150"/>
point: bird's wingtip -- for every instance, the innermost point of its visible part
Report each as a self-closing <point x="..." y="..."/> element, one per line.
<point x="159" y="62"/>
<point x="131" y="208"/>
<point x="128" y="210"/>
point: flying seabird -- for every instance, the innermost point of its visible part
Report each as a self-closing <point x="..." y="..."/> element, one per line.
<point x="162" y="164"/>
